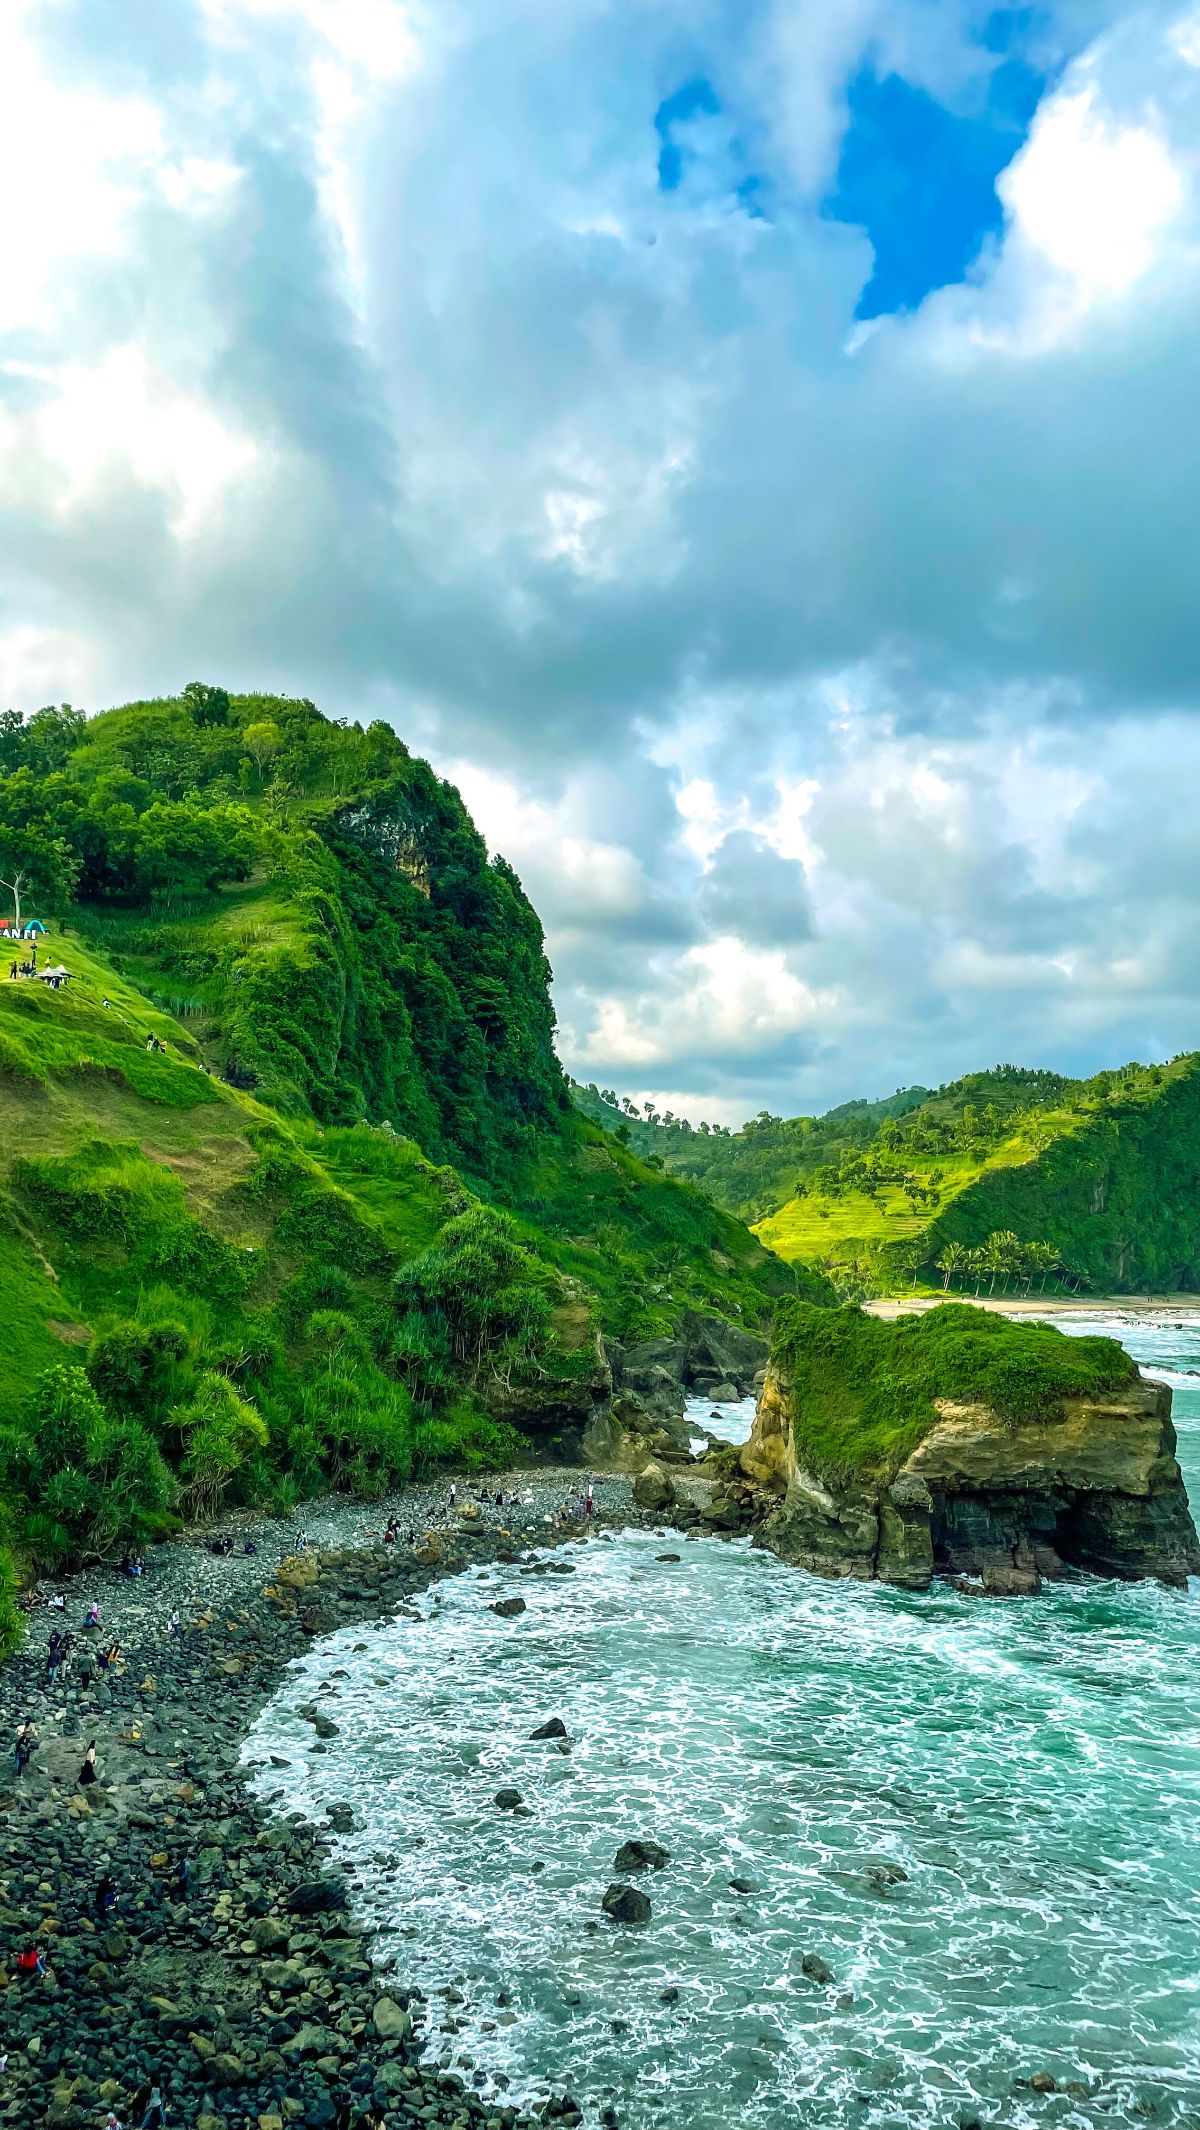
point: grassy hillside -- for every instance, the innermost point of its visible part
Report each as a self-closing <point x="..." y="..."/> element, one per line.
<point x="346" y="1221"/>
<point x="1001" y="1181"/>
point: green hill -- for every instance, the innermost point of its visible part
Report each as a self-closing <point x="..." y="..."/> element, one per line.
<point x="1000" y="1181"/>
<point x="345" y="1221"/>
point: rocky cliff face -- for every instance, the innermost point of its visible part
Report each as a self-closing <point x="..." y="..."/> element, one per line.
<point x="1094" y="1486"/>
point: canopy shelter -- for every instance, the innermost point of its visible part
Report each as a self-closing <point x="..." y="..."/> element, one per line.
<point x="59" y="974"/>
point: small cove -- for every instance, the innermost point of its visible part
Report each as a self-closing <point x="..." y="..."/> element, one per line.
<point x="1031" y="1766"/>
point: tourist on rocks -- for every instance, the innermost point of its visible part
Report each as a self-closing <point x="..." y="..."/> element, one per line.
<point x="156" y="2115"/>
<point x="590" y="1499"/>
<point x="183" y="1878"/>
<point x="111" y="2121"/>
<point x="25" y="1745"/>
<point x="89" y="1772"/>
<point x="173" y="1624"/>
<point x="92" y="1622"/>
<point x="58" y="1602"/>
<point x="30" y="1962"/>
<point x="453" y="1494"/>
<point x="106" y="1896"/>
<point x="53" y="1654"/>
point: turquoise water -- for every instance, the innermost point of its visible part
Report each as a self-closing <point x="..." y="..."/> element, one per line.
<point x="1032" y="1766"/>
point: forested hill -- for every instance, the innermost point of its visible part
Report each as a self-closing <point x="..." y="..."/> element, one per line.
<point x="292" y="1190"/>
<point x="1001" y="1180"/>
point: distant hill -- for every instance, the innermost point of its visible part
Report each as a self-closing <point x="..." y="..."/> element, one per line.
<point x="345" y="1220"/>
<point x="1001" y="1181"/>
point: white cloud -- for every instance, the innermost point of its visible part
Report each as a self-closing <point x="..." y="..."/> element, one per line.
<point x="1094" y="196"/>
<point x="119" y="421"/>
<point x="836" y="707"/>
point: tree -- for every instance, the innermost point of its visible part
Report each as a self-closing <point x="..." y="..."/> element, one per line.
<point x="262" y="742"/>
<point x="208" y="706"/>
<point x="36" y="865"/>
<point x="950" y="1262"/>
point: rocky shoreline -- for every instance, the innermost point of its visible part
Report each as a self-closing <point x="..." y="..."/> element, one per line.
<point x="227" y="1970"/>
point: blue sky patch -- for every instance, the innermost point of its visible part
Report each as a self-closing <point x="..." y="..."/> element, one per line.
<point x="920" y="179"/>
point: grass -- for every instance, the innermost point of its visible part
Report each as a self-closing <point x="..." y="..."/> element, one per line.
<point x="855" y="1225"/>
<point x="862" y="1391"/>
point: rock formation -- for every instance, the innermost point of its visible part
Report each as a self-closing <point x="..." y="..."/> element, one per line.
<point x="1091" y="1483"/>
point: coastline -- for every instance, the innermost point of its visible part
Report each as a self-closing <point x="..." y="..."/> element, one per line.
<point x="1180" y="1308"/>
<point x="249" y="1995"/>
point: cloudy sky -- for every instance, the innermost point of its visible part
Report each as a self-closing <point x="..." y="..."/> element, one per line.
<point x="752" y="446"/>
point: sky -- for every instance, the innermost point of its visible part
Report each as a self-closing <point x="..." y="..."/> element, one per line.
<point x="750" y="446"/>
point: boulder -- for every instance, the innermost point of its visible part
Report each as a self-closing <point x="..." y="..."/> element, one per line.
<point x="641" y="1855"/>
<point x="507" y="1800"/>
<point x="724" y="1394"/>
<point x="508" y="1608"/>
<point x="653" y="1488"/>
<point x="317" y="1897"/>
<point x="626" y="1904"/>
<point x="815" y="1968"/>
<point x="389" y="2021"/>
<point x="555" y="1728"/>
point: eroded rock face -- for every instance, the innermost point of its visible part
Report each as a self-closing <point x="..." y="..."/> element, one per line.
<point x="1095" y="1486"/>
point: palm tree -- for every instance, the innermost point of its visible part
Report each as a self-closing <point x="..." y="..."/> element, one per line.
<point x="949" y="1262"/>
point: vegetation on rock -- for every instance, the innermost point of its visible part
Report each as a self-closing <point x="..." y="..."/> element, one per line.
<point x="861" y="1391"/>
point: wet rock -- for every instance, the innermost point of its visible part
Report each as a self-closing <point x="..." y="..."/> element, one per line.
<point x="743" y="1885"/>
<point x="317" y="1897"/>
<point x="815" y="1969"/>
<point x="555" y="1728"/>
<point x="641" y="1855"/>
<point x="390" y="2023"/>
<point x="508" y="1800"/>
<point x="626" y="1904"/>
<point x="341" y="1818"/>
<point x="1044" y="2082"/>
<point x="508" y="1608"/>
<point x="653" y="1488"/>
<point x="881" y="1876"/>
<point x="670" y="1995"/>
<point x="668" y="1556"/>
<point x="325" y="1727"/>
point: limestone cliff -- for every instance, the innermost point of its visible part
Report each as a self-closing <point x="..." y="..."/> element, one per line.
<point x="1086" y="1481"/>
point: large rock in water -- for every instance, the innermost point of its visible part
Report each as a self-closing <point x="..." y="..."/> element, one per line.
<point x="653" y="1489"/>
<point x="1091" y="1484"/>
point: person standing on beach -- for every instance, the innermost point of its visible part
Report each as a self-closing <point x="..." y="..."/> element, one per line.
<point x="89" y="1773"/>
<point x="453" y="1495"/>
<point x="155" y="2117"/>
<point x="591" y="1500"/>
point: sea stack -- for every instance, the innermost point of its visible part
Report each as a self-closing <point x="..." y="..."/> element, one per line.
<point x="958" y="1443"/>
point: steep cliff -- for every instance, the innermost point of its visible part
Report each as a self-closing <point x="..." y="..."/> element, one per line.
<point x="960" y="1444"/>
